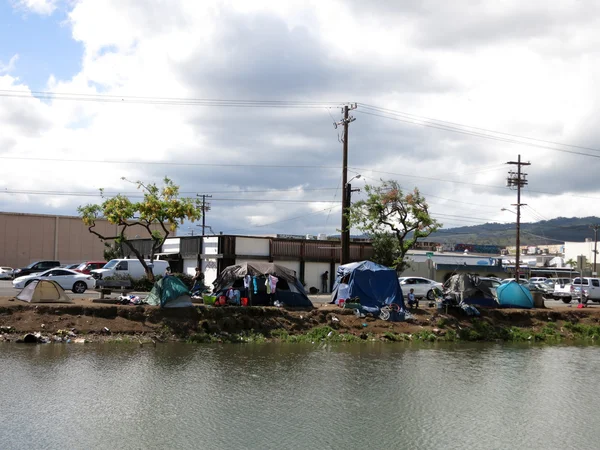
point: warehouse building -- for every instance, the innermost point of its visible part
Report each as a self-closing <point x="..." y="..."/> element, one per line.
<point x="26" y="238"/>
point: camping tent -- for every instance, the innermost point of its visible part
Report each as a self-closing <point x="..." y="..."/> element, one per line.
<point x="170" y="292"/>
<point x="288" y="290"/>
<point x="470" y="289"/>
<point x="43" y="291"/>
<point x="514" y="295"/>
<point x="374" y="284"/>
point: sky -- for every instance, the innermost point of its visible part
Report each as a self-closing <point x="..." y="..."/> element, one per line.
<point x="238" y="100"/>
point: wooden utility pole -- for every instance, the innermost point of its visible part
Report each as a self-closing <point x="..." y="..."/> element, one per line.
<point x="345" y="232"/>
<point x="518" y="179"/>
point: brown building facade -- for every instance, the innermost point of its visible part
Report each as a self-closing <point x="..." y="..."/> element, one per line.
<point x="25" y="238"/>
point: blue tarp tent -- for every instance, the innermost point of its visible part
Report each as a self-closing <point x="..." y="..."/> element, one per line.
<point x="514" y="295"/>
<point x="375" y="285"/>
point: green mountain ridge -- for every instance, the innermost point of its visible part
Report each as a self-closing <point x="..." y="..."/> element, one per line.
<point x="553" y="231"/>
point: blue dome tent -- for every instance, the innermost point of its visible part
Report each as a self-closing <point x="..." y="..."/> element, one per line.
<point x="514" y="295"/>
<point x="374" y="284"/>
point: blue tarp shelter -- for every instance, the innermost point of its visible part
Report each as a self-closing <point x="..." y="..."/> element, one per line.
<point x="514" y="295"/>
<point x="375" y="285"/>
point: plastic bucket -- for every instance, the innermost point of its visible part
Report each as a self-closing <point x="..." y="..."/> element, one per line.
<point x="341" y="302"/>
<point x="222" y="300"/>
<point x="209" y="299"/>
<point x="244" y="301"/>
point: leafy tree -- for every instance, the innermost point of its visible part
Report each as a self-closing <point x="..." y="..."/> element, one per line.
<point x="113" y="251"/>
<point x="160" y="212"/>
<point x="385" y="249"/>
<point x="389" y="211"/>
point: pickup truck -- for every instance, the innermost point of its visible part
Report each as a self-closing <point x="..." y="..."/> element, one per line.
<point x="590" y="285"/>
<point x="562" y="291"/>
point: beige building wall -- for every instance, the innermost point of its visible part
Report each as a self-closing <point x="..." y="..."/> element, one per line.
<point x="25" y="238"/>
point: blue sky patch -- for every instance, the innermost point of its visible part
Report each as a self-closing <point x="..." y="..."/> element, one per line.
<point x="44" y="45"/>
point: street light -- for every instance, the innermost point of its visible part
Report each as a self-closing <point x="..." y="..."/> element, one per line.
<point x="506" y="209"/>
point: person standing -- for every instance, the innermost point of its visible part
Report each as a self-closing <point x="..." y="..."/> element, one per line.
<point x="198" y="280"/>
<point x="324" y="280"/>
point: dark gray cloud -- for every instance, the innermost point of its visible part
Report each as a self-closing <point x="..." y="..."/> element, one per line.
<point x="260" y="56"/>
<point x="464" y="24"/>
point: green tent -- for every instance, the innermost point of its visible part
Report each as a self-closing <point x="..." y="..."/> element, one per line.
<point x="170" y="292"/>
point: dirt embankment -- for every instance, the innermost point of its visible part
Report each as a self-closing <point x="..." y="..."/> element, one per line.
<point x="84" y="321"/>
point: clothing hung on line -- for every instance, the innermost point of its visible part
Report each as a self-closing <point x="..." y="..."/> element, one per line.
<point x="271" y="284"/>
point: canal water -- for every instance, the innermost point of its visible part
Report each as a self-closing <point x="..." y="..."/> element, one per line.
<point x="365" y="396"/>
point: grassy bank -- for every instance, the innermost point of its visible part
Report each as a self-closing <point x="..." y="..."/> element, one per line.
<point x="88" y="322"/>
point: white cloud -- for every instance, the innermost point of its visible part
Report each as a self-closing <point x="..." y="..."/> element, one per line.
<point x="10" y="66"/>
<point x="537" y="81"/>
<point x="41" y="7"/>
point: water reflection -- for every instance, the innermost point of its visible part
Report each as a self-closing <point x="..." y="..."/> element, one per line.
<point x="298" y="396"/>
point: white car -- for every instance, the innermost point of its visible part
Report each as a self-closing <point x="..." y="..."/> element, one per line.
<point x="538" y="280"/>
<point x="6" y="273"/>
<point x="67" y="279"/>
<point x="423" y="286"/>
<point x="508" y="280"/>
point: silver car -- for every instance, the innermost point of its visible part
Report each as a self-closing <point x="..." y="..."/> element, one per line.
<point x="6" y="273"/>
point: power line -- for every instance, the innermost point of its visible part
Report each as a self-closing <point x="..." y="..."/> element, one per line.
<point x="429" y="119"/>
<point x="469" y="184"/>
<point x="239" y="199"/>
<point x="137" y="194"/>
<point x="287" y="219"/>
<point x="481" y="135"/>
<point x="168" y="163"/>
<point x="122" y="99"/>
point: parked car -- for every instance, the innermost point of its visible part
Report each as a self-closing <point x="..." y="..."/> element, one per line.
<point x="6" y="273"/>
<point x="590" y="285"/>
<point x="562" y="290"/>
<point x="491" y="283"/>
<point x="521" y="281"/>
<point x="87" y="266"/>
<point x="129" y="268"/>
<point x="547" y="287"/>
<point x="36" y="267"/>
<point x="537" y="279"/>
<point x="67" y="279"/>
<point x="423" y="286"/>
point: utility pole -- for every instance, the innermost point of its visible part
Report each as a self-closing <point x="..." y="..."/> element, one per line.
<point x="518" y="179"/>
<point x="205" y="209"/>
<point x="595" y="228"/>
<point x="345" y="233"/>
<point x="349" y="191"/>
